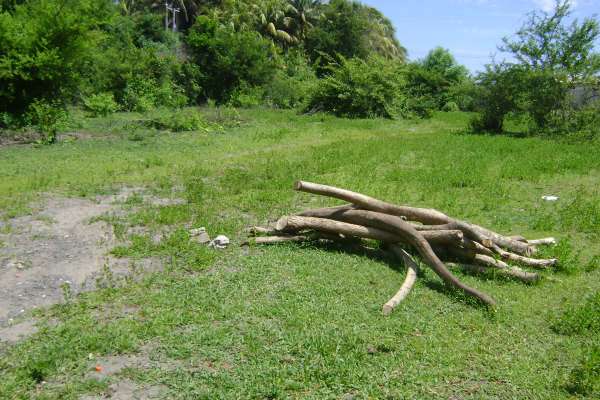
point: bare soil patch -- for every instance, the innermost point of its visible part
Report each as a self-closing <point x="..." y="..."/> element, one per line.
<point x="59" y="251"/>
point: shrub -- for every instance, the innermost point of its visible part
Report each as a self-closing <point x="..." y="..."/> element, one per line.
<point x="356" y="88"/>
<point x="291" y="86"/>
<point x="246" y="96"/>
<point x="180" y="121"/>
<point x="499" y="93"/>
<point x="101" y="104"/>
<point x="574" y="124"/>
<point x="47" y="117"/>
<point x="450" y="107"/>
<point x="227" y="57"/>
<point x="44" y="47"/>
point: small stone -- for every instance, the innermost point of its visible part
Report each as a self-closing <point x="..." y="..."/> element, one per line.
<point x="200" y="235"/>
<point x="220" y="242"/>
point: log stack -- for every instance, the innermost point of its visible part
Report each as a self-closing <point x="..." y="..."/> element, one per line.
<point x="439" y="240"/>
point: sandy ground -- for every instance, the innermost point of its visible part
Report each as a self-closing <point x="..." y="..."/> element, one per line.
<point x="55" y="249"/>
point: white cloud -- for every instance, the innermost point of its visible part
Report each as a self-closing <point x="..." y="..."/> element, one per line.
<point x="548" y="5"/>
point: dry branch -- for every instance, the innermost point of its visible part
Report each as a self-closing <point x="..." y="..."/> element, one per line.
<point x="412" y="269"/>
<point x="434" y="235"/>
<point x="423" y="215"/>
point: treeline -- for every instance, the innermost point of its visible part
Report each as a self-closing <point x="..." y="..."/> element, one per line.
<point x="339" y="56"/>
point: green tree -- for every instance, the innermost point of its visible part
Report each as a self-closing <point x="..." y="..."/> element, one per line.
<point x="547" y="42"/>
<point x="229" y="58"/>
<point x="44" y="48"/>
<point x="351" y="29"/>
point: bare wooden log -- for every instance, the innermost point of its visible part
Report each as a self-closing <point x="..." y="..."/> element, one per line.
<point x="510" y="272"/>
<point x="422" y="215"/>
<point x="518" y="238"/>
<point x="278" y="239"/>
<point x="543" y="241"/>
<point x="412" y="270"/>
<point x="530" y="262"/>
<point x="260" y="230"/>
<point x="517" y="272"/>
<point x="370" y="220"/>
<point x="295" y="238"/>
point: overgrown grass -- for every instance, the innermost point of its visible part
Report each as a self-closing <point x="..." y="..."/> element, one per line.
<point x="303" y="321"/>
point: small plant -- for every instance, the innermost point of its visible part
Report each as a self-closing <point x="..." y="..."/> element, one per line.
<point x="101" y="104"/>
<point x="246" y="96"/>
<point x="67" y="291"/>
<point x="361" y="89"/>
<point x="48" y="118"/>
<point x="450" y="107"/>
<point x="179" y="121"/>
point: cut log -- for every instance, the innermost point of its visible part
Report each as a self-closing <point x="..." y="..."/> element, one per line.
<point x="423" y="215"/>
<point x="412" y="270"/>
<point x="527" y="261"/>
<point x="544" y="241"/>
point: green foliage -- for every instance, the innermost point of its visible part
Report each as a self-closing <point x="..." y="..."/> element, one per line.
<point x="180" y="121"/>
<point x="450" y="106"/>
<point x="357" y="88"/>
<point x="246" y="96"/>
<point x="44" y="45"/>
<point x="101" y="104"/>
<point x="585" y="379"/>
<point x="583" y="318"/>
<point x="291" y="86"/>
<point x="574" y="123"/>
<point x="435" y="82"/>
<point x="547" y="42"/>
<point x="350" y="29"/>
<point x="47" y="117"/>
<point x="499" y="92"/>
<point x="227" y="57"/>
<point x="552" y="59"/>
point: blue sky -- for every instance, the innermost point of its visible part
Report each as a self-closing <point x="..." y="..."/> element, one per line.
<point x="471" y="29"/>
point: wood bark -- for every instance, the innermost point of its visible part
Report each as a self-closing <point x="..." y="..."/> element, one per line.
<point x="425" y="216"/>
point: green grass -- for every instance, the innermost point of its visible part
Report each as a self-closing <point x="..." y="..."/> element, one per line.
<point x="303" y="321"/>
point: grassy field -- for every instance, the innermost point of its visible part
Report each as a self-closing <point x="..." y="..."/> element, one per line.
<point x="304" y="321"/>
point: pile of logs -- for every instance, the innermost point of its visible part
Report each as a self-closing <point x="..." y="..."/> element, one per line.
<point x="440" y="241"/>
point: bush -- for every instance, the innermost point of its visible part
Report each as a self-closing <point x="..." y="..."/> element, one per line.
<point x="499" y="92"/>
<point x="450" y="107"/>
<point x="574" y="124"/>
<point x="291" y="86"/>
<point x="246" y="96"/>
<point x="101" y="104"/>
<point x="227" y="58"/>
<point x="180" y="121"/>
<point x="357" y="88"/>
<point x="44" y="47"/>
<point x="47" y="117"/>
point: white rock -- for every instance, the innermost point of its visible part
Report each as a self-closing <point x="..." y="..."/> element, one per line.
<point x="220" y="242"/>
<point x="550" y="198"/>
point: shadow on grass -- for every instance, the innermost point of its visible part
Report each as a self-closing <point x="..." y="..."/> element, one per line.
<point x="381" y="254"/>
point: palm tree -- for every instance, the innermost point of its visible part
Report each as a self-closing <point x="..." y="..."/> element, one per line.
<point x="302" y="15"/>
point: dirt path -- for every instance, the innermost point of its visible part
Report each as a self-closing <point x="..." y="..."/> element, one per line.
<point x="54" y="250"/>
